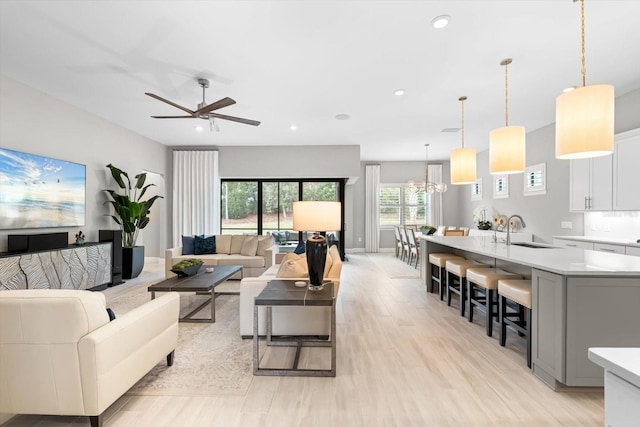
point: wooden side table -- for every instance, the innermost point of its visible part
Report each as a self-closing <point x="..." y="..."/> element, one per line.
<point x="285" y="293"/>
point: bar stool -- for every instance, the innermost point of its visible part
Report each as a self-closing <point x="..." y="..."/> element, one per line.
<point x="439" y="259"/>
<point x="457" y="272"/>
<point x="484" y="281"/>
<point x="518" y="292"/>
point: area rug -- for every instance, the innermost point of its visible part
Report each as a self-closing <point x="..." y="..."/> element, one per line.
<point x="211" y="358"/>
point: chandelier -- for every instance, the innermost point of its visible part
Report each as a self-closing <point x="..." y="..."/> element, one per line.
<point x="428" y="186"/>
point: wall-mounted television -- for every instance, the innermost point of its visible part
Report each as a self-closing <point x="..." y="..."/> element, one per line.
<point x="39" y="192"/>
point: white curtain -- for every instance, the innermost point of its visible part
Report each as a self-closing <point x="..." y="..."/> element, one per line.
<point x="435" y="207"/>
<point x="371" y="208"/>
<point x="196" y="194"/>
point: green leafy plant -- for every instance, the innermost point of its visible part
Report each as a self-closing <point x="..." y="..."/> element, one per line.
<point x="186" y="263"/>
<point x="131" y="212"/>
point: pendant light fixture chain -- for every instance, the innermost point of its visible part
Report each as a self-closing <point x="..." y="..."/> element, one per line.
<point x="506" y="63"/>
<point x="462" y="99"/>
<point x="583" y="68"/>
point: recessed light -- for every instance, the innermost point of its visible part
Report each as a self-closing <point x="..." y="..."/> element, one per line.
<point x="440" y="21"/>
<point x="293" y="127"/>
<point x="398" y="92"/>
<point x="342" y="117"/>
<point x="568" y="89"/>
<point x="198" y="128"/>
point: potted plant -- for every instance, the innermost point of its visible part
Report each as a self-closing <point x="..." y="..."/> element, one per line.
<point x="428" y="229"/>
<point x="479" y="217"/>
<point x="132" y="215"/>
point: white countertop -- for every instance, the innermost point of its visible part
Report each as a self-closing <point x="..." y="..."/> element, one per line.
<point x="565" y="261"/>
<point x="622" y="361"/>
<point x="627" y="241"/>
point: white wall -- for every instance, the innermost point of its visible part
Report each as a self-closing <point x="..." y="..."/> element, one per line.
<point x="34" y="122"/>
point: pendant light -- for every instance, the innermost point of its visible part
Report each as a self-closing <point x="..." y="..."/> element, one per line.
<point x="431" y="187"/>
<point x="585" y="116"/>
<point x="507" y="146"/>
<point x="463" y="160"/>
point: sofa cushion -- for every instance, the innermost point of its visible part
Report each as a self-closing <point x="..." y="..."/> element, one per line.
<point x="243" y="260"/>
<point x="204" y="245"/>
<point x="249" y="246"/>
<point x="264" y="243"/>
<point x="236" y="243"/>
<point x="327" y="265"/>
<point x="223" y="244"/>
<point x="293" y="266"/>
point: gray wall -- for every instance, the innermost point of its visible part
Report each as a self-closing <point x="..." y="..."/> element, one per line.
<point x="543" y="214"/>
<point x="36" y="123"/>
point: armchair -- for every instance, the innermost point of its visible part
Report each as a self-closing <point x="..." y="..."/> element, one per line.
<point x="60" y="354"/>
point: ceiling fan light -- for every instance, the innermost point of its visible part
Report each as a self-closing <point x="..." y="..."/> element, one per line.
<point x="585" y="122"/>
<point x="507" y="150"/>
<point x="463" y="166"/>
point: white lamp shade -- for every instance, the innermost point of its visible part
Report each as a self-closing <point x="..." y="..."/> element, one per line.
<point x="316" y="216"/>
<point x="584" y="122"/>
<point x="463" y="166"/>
<point x="507" y="150"/>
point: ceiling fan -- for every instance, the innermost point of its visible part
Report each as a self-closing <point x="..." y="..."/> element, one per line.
<point x="203" y="110"/>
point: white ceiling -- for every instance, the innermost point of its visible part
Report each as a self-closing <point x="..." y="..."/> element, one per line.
<point x="303" y="62"/>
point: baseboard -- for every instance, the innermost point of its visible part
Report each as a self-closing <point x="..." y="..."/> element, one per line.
<point x="363" y="250"/>
<point x="153" y="260"/>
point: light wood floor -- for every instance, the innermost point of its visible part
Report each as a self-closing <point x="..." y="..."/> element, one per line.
<point x="404" y="359"/>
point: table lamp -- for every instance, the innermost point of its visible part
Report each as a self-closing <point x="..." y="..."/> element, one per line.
<point x="318" y="217"/>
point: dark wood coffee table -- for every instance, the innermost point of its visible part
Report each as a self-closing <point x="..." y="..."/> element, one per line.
<point x="202" y="283"/>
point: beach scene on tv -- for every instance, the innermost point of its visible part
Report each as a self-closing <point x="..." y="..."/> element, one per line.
<point x="38" y="192"/>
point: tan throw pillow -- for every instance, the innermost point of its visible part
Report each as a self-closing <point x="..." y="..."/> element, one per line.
<point x="264" y="243"/>
<point x="236" y="243"/>
<point x="249" y="246"/>
<point x="293" y="266"/>
<point x="327" y="266"/>
<point x="223" y="244"/>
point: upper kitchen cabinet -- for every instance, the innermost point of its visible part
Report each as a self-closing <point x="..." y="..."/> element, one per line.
<point x="626" y="171"/>
<point x="590" y="184"/>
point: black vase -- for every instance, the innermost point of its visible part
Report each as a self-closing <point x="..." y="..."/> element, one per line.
<point x="132" y="261"/>
<point x="316" y="259"/>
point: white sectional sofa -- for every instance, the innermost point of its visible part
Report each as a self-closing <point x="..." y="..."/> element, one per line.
<point x="254" y="253"/>
<point x="312" y="321"/>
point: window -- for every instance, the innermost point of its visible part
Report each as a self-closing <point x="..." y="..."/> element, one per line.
<point x="239" y="207"/>
<point x="500" y="186"/>
<point x="535" y="180"/>
<point x="403" y="205"/>
<point x="476" y="190"/>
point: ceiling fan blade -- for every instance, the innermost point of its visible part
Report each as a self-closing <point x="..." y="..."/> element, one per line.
<point x="235" y="119"/>
<point x="224" y="102"/>
<point x="159" y="98"/>
<point x="173" y="117"/>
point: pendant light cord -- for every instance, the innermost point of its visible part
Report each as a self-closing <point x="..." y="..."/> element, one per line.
<point x="462" y="99"/>
<point x="506" y="94"/>
<point x="583" y="68"/>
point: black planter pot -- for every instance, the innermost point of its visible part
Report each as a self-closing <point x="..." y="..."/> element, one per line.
<point x="132" y="262"/>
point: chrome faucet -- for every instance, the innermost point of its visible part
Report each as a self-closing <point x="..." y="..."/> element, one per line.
<point x="509" y="226"/>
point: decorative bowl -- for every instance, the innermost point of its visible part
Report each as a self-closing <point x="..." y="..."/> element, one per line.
<point x="187" y="271"/>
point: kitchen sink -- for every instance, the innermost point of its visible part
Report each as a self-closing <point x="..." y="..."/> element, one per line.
<point x="532" y="245"/>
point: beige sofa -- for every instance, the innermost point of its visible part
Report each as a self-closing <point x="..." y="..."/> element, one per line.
<point x="287" y="320"/>
<point x="60" y="354"/>
<point x="254" y="253"/>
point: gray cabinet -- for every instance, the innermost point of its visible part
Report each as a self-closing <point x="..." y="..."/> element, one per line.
<point x="548" y="326"/>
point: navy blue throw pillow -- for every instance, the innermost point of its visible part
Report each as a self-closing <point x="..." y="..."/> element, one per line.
<point x="300" y="248"/>
<point x="205" y="245"/>
<point x="188" y="244"/>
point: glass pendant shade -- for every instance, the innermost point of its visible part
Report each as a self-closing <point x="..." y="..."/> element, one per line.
<point x="507" y="150"/>
<point x="463" y="166"/>
<point x="584" y="122"/>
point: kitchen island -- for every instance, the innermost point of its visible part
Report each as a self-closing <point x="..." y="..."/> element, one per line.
<point x="581" y="299"/>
